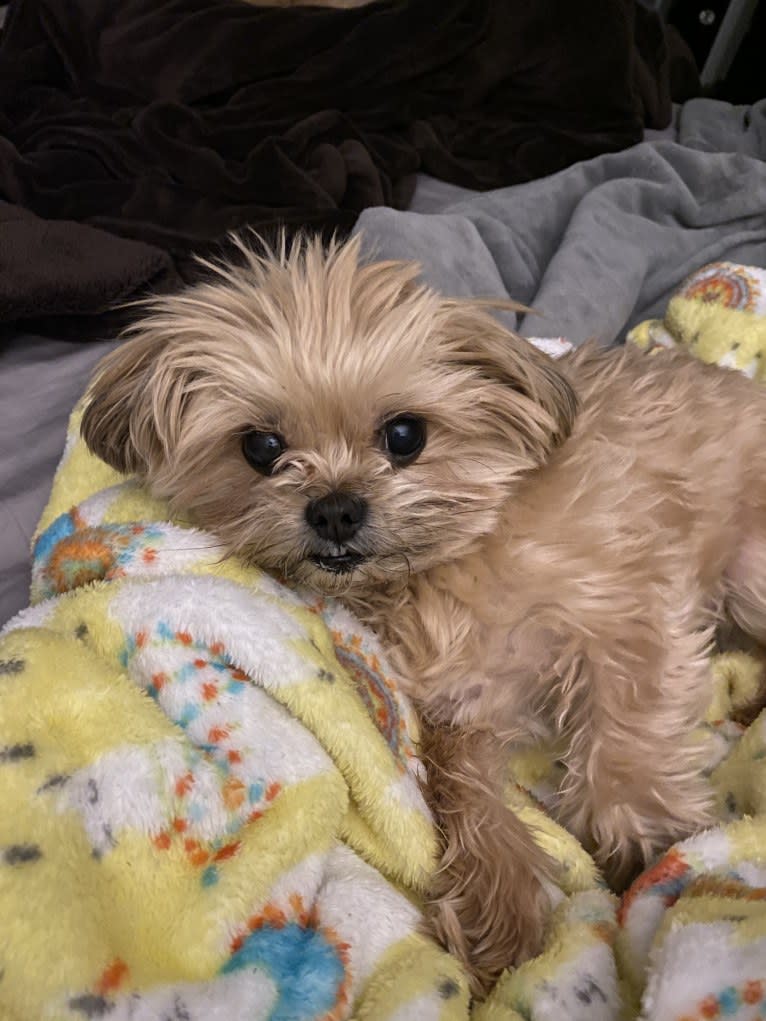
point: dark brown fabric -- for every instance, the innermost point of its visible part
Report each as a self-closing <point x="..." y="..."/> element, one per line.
<point x="174" y="121"/>
<point x="72" y="273"/>
<point x="684" y="73"/>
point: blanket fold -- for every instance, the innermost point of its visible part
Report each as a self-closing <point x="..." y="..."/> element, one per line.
<point x="71" y="274"/>
<point x="602" y="245"/>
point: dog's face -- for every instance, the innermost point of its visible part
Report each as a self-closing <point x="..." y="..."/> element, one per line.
<point x="337" y="423"/>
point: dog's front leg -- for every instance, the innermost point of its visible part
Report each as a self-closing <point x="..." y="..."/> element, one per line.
<point x="489" y="901"/>
<point x="627" y="709"/>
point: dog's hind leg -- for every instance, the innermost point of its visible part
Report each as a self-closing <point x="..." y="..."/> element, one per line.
<point x="629" y="703"/>
<point x="746" y="584"/>
<point x="745" y="605"/>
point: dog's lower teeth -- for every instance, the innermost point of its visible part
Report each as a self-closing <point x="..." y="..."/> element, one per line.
<point x="338" y="564"/>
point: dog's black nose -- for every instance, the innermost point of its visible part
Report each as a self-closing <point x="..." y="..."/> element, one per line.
<point x="337" y="516"/>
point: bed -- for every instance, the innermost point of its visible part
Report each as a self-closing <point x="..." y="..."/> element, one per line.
<point x="595" y="249"/>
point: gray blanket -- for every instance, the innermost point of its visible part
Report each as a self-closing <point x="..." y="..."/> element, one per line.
<point x="40" y="382"/>
<point x="602" y="245"/>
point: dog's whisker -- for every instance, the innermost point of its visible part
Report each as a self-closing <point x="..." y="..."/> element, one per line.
<point x="191" y="549"/>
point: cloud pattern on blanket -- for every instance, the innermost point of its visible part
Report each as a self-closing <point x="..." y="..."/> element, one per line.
<point x="212" y="810"/>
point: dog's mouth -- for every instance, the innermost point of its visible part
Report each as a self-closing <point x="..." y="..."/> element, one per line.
<point x="340" y="563"/>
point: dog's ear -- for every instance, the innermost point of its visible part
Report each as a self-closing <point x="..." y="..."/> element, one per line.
<point x="532" y="400"/>
<point x="120" y="421"/>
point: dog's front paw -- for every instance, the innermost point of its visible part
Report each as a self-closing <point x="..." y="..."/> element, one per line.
<point x="489" y="899"/>
<point x="489" y="908"/>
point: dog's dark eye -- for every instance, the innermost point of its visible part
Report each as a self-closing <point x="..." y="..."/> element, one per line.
<point x="404" y="437"/>
<point x="261" y="449"/>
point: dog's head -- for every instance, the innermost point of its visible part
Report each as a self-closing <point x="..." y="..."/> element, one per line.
<point x="339" y="423"/>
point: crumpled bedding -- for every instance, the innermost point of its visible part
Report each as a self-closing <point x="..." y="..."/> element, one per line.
<point x="175" y="121"/>
<point x="212" y="810"/>
<point x="595" y="249"/>
<point x="601" y="245"/>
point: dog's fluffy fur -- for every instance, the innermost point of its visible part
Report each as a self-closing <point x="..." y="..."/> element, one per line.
<point x="553" y="564"/>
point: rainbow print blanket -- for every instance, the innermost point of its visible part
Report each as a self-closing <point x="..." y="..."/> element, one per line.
<point x="211" y="811"/>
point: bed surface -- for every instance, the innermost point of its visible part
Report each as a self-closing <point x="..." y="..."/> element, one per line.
<point x="40" y="381"/>
<point x="169" y="713"/>
<point x="596" y="248"/>
<point x="603" y="244"/>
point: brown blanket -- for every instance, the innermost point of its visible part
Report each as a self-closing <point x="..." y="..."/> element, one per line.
<point x="173" y="121"/>
<point x="72" y="276"/>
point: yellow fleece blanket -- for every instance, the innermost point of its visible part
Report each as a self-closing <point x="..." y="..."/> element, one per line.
<point x="211" y="811"/>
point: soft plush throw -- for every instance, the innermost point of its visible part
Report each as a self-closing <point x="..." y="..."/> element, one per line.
<point x="211" y="810"/>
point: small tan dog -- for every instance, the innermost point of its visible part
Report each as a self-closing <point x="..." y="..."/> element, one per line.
<point x="545" y="548"/>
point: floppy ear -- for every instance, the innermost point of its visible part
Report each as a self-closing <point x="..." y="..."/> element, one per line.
<point x="119" y="423"/>
<point x="532" y="400"/>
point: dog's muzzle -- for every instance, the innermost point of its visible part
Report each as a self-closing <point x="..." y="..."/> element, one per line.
<point x="335" y="519"/>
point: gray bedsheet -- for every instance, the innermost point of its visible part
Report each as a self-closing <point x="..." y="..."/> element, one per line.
<point x="40" y="382"/>
<point x="600" y="246"/>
